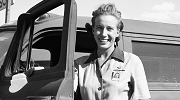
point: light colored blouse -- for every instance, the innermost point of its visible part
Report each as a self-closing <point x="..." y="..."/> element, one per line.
<point x="121" y="77"/>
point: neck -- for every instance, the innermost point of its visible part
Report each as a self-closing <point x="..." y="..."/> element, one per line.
<point x="105" y="53"/>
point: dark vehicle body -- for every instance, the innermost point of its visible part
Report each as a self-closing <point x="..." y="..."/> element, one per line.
<point x="19" y="77"/>
<point x="37" y="53"/>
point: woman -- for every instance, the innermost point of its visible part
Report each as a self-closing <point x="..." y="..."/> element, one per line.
<point x="109" y="73"/>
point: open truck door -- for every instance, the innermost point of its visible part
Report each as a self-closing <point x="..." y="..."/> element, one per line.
<point x="39" y="61"/>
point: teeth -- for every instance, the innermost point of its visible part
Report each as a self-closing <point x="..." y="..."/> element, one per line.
<point x="103" y="40"/>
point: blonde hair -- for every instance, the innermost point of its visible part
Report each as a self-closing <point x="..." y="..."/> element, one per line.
<point x="108" y="9"/>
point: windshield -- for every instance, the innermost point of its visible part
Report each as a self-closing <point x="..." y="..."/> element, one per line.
<point x="5" y="40"/>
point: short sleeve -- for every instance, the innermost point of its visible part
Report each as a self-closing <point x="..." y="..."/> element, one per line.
<point x="141" y="90"/>
<point x="77" y="63"/>
<point x="75" y="75"/>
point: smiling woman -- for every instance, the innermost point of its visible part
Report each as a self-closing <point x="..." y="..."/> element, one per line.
<point x="42" y="66"/>
<point x="105" y="31"/>
<point x="109" y="73"/>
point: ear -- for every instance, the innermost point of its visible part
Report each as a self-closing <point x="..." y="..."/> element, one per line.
<point x="118" y="32"/>
<point x="88" y="27"/>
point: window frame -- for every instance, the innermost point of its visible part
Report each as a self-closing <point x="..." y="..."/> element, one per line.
<point x="26" y="21"/>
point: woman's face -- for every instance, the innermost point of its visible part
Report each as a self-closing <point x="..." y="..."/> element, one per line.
<point x="105" y="31"/>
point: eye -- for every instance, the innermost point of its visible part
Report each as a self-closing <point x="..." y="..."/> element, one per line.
<point x="110" y="28"/>
<point x="99" y="27"/>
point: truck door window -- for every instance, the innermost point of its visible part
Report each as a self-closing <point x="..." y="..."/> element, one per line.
<point x="40" y="58"/>
<point x="45" y="52"/>
<point x="161" y="61"/>
<point x="46" y="44"/>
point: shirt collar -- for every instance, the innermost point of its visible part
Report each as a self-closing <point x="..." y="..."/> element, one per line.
<point x="117" y="54"/>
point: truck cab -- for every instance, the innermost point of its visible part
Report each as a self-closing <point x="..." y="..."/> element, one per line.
<point x="37" y="55"/>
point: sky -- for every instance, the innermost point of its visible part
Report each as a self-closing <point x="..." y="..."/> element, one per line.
<point x="165" y="11"/>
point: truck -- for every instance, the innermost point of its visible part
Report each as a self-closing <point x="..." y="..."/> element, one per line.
<point x="19" y="76"/>
<point x="37" y="53"/>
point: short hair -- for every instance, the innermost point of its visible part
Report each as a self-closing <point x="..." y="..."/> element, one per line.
<point x="108" y="9"/>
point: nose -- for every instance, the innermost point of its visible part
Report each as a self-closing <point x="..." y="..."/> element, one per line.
<point x="104" y="32"/>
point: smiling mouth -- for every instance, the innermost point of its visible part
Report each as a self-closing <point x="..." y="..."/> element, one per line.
<point x="103" y="40"/>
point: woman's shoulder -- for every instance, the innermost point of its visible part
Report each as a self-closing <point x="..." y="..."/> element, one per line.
<point x="132" y="56"/>
<point x="82" y="59"/>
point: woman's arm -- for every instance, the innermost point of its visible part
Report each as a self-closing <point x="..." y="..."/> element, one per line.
<point x="141" y="91"/>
